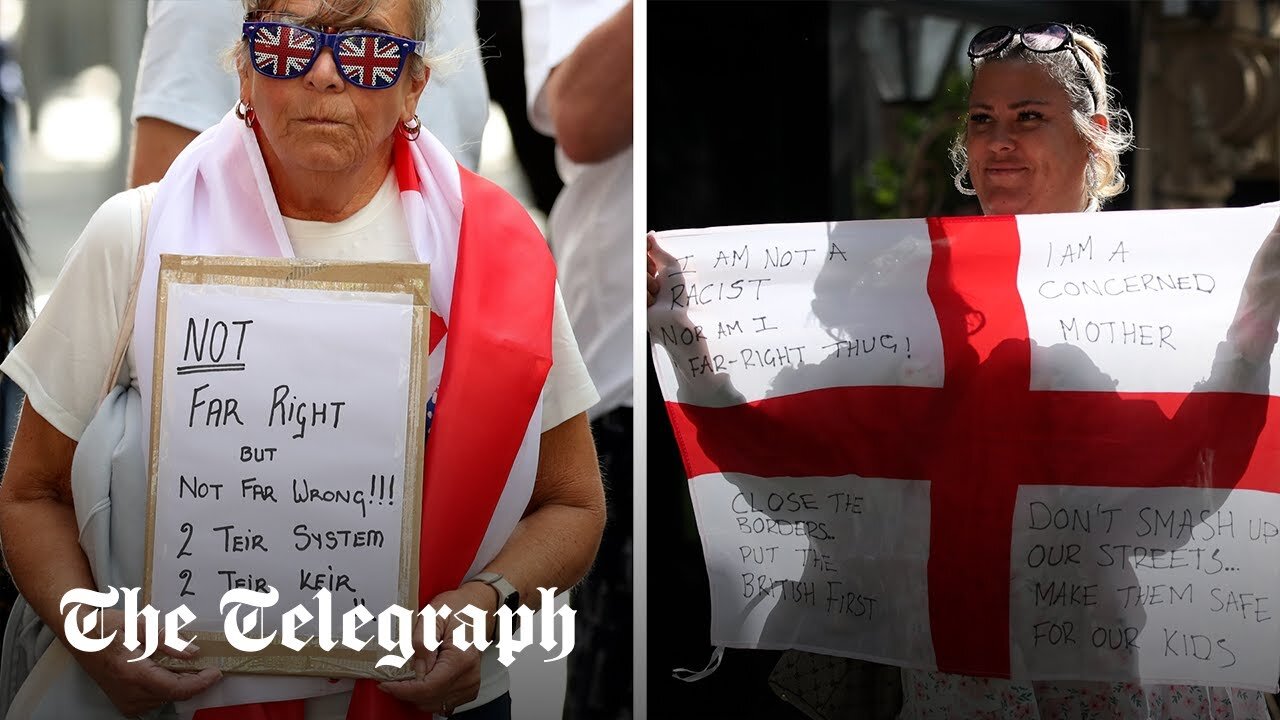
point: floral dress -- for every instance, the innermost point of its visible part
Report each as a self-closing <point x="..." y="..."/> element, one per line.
<point x="930" y="695"/>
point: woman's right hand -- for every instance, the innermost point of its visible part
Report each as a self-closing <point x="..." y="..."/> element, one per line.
<point x="651" y="269"/>
<point x="42" y="547"/>
<point x="136" y="688"/>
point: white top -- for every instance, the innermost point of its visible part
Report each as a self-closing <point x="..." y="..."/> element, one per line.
<point x="64" y="357"/>
<point x="183" y="77"/>
<point x="590" y="225"/>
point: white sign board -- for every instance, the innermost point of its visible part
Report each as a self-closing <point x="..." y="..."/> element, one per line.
<point x="287" y="441"/>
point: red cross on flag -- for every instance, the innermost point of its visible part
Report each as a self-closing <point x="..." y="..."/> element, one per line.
<point x="1037" y="447"/>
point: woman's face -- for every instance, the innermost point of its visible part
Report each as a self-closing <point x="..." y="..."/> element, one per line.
<point x="1025" y="154"/>
<point x="319" y="121"/>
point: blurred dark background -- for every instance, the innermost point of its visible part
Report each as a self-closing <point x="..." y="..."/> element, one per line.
<point x="773" y="112"/>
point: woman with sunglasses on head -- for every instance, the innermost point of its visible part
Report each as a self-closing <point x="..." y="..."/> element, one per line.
<point x="1042" y="135"/>
<point x="322" y="158"/>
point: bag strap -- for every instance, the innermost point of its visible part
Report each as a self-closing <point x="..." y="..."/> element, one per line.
<point x="146" y="194"/>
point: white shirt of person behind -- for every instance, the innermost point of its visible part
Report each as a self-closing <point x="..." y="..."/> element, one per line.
<point x="590" y="225"/>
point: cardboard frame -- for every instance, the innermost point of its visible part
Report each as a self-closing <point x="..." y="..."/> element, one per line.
<point x="337" y="276"/>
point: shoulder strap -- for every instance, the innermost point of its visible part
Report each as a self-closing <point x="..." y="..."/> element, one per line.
<point x="146" y="194"/>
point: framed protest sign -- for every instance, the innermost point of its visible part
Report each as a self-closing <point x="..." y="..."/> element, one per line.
<point x="288" y="425"/>
<point x="1038" y="448"/>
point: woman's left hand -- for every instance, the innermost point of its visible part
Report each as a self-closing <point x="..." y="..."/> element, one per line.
<point x="448" y="676"/>
<point x="1254" y="328"/>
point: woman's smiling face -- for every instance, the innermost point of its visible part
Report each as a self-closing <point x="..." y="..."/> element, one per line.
<point x="1025" y="154"/>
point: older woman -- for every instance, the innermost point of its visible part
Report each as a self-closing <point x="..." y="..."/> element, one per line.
<point x="1043" y="135"/>
<point x="323" y="158"/>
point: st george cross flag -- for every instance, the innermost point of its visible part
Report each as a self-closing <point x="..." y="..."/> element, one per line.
<point x="1034" y="447"/>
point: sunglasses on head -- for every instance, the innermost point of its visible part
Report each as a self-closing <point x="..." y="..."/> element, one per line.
<point x="1041" y="38"/>
<point x="366" y="58"/>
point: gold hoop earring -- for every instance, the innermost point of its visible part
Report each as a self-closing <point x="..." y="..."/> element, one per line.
<point x="245" y="112"/>
<point x="411" y="128"/>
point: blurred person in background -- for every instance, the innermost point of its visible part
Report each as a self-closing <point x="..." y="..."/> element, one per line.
<point x="500" y="24"/>
<point x="15" y="309"/>
<point x="578" y="65"/>
<point x="11" y="91"/>
<point x="15" y="316"/>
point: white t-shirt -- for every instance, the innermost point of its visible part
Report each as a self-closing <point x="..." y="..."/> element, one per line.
<point x="64" y="357"/>
<point x="182" y="77"/>
<point x="590" y="225"/>
<point x="72" y="339"/>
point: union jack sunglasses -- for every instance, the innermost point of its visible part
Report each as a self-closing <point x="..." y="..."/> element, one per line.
<point x="366" y="58"/>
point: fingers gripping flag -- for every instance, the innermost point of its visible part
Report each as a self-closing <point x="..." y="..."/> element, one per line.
<point x="1034" y="447"/>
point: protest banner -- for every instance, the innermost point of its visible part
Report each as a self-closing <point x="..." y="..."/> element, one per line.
<point x="1041" y="447"/>
<point x="287" y="432"/>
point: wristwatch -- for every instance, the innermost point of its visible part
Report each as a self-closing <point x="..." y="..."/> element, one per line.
<point x="508" y="596"/>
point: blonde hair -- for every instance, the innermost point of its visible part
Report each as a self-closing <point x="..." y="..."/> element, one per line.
<point x="1088" y="96"/>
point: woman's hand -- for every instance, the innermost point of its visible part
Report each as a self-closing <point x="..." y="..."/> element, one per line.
<point x="651" y="267"/>
<point x="1254" y="328"/>
<point x="42" y="547"/>
<point x="449" y="676"/>
<point x="552" y="546"/>
<point x="136" y="688"/>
